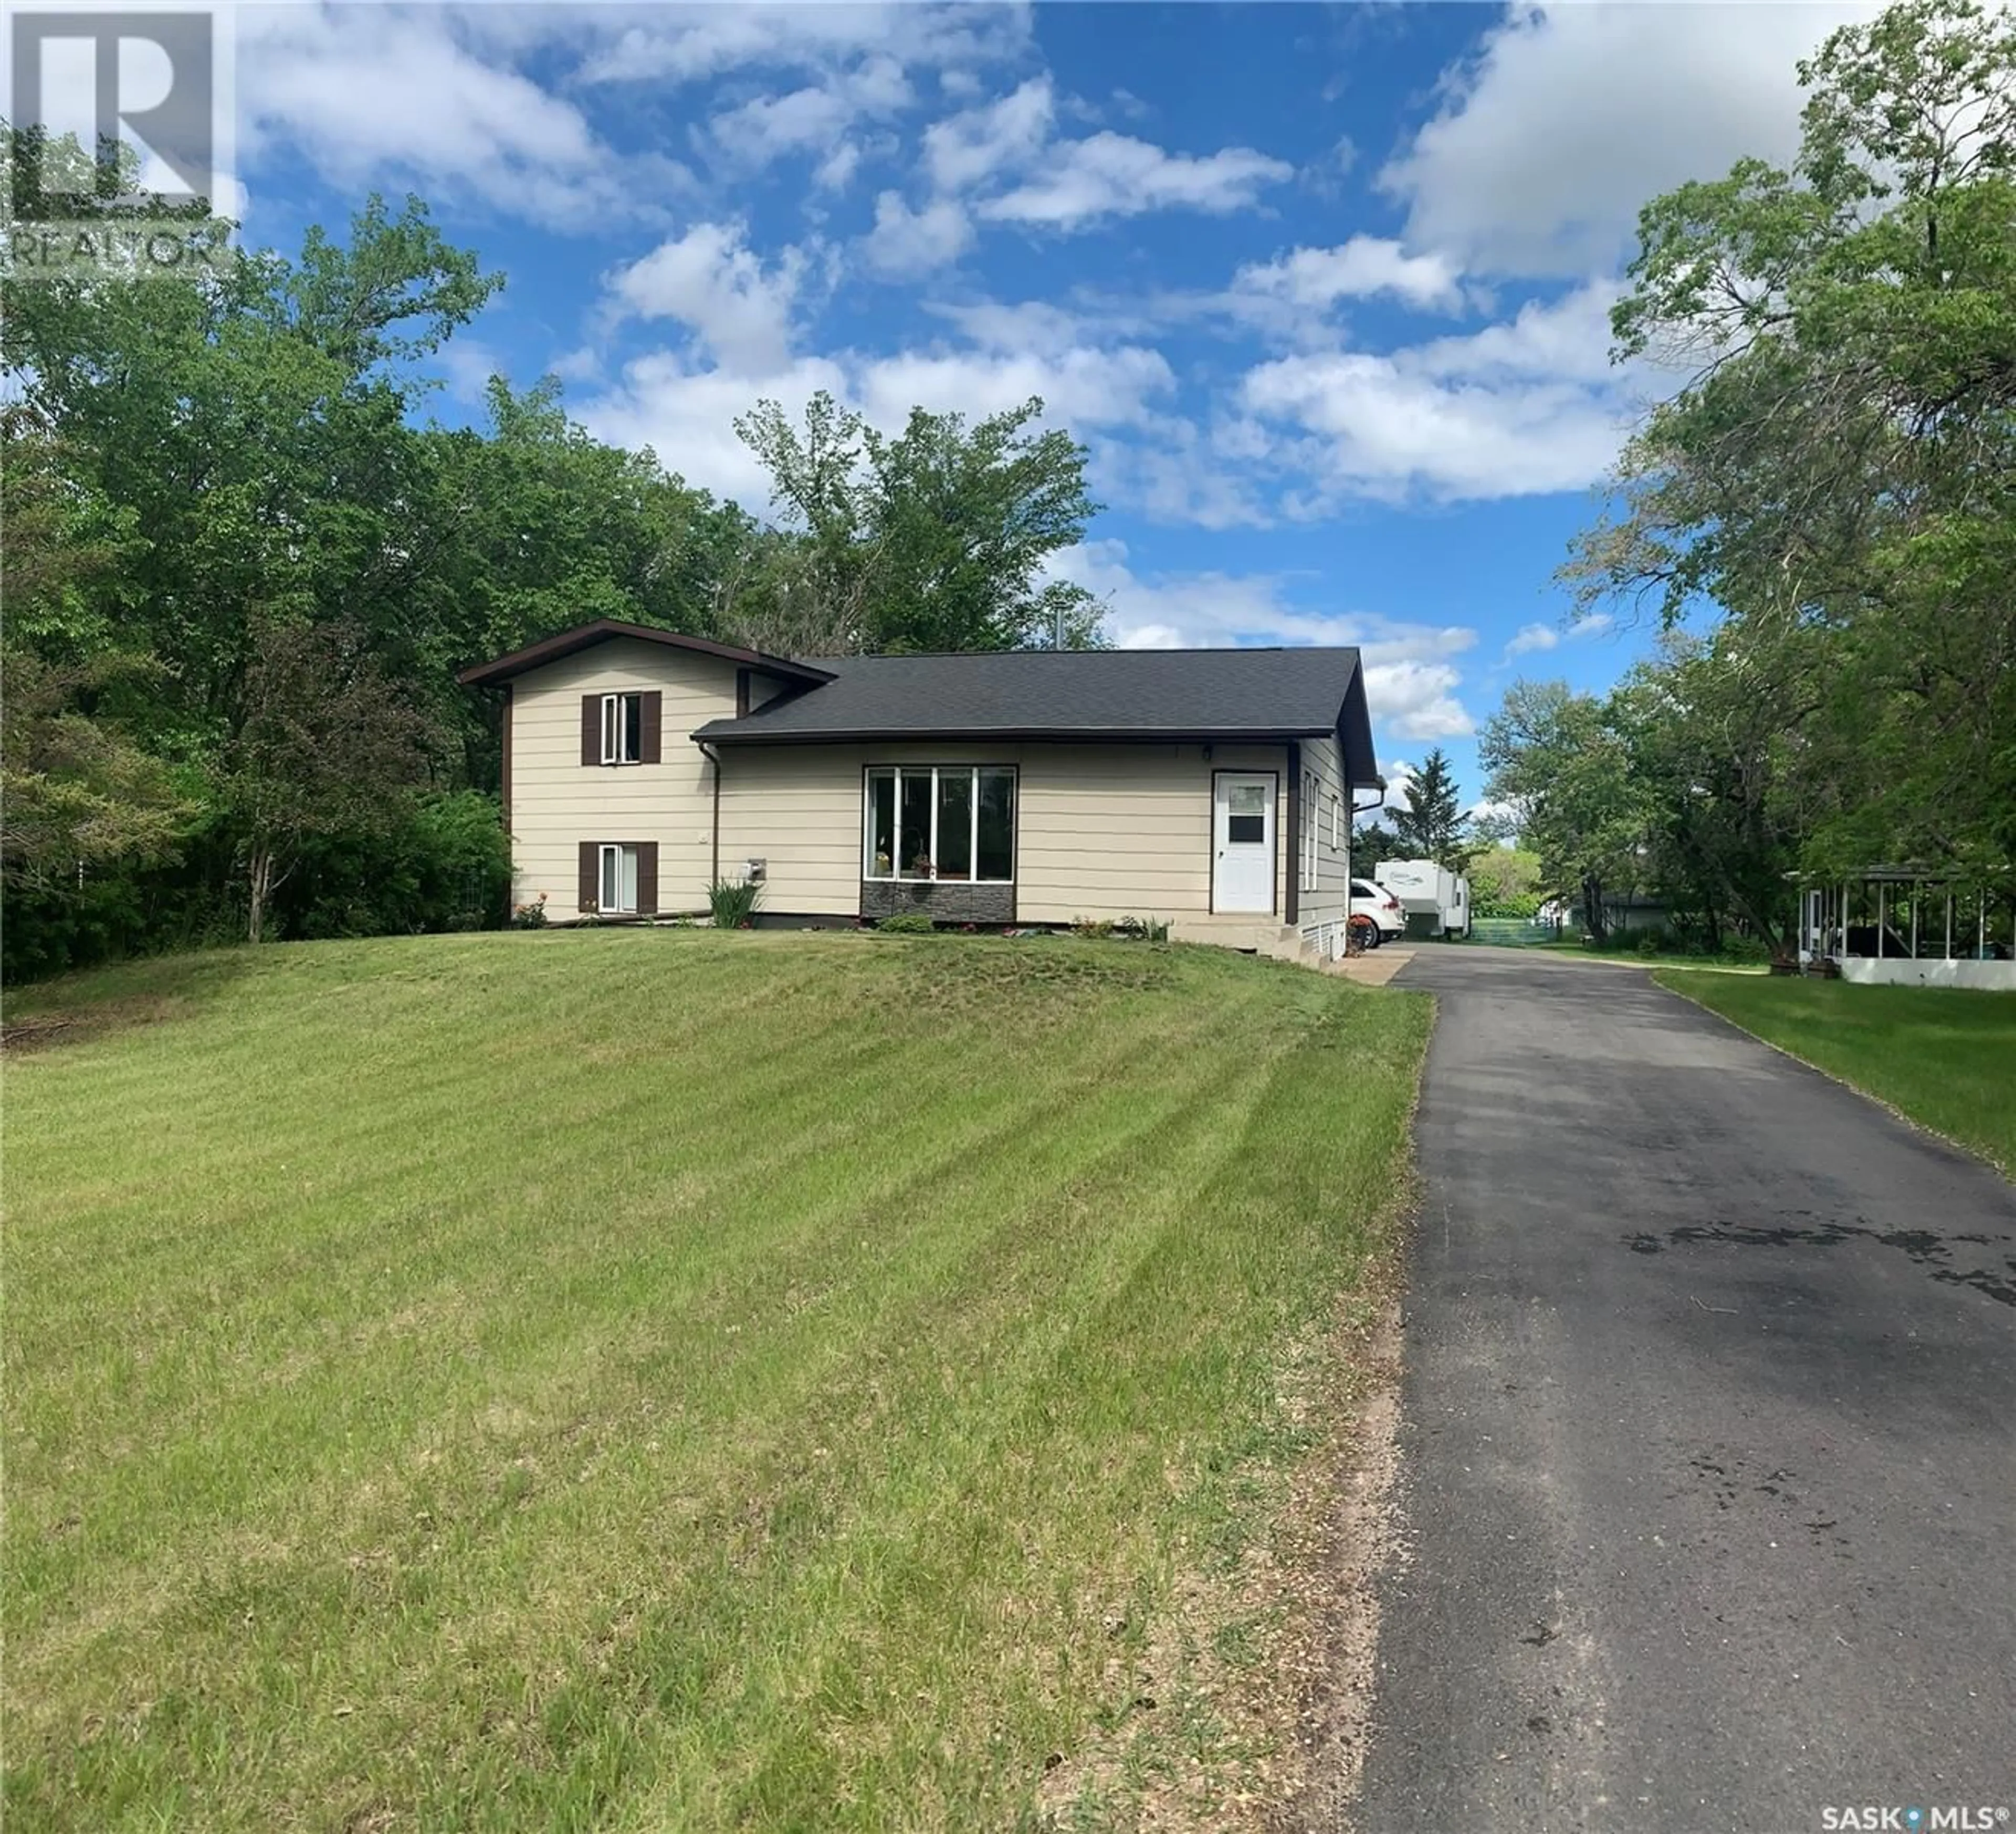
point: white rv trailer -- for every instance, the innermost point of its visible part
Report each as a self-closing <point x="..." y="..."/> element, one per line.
<point x="1435" y="901"/>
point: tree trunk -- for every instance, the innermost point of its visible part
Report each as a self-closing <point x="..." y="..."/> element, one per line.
<point x="262" y="888"/>
<point x="1593" y="920"/>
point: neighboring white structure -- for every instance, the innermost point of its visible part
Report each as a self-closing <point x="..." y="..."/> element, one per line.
<point x="1909" y="927"/>
<point x="1434" y="898"/>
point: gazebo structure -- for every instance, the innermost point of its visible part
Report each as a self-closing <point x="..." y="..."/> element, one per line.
<point x="1908" y="926"/>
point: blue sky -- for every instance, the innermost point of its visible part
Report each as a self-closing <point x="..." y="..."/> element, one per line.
<point x="1323" y="289"/>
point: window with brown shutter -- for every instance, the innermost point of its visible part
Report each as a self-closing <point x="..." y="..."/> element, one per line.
<point x="621" y="729"/>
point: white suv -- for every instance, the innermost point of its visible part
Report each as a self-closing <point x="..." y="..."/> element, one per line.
<point x="1375" y="902"/>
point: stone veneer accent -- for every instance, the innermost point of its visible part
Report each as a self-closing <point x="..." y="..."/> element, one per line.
<point x="943" y="900"/>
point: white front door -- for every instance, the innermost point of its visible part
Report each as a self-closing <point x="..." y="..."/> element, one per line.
<point x="1242" y="841"/>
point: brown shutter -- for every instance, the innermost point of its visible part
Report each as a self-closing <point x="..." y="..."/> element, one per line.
<point x="591" y="728"/>
<point x="647" y="878"/>
<point x="591" y="875"/>
<point x="650" y="746"/>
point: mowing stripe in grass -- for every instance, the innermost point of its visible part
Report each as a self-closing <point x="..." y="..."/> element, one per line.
<point x="434" y="1396"/>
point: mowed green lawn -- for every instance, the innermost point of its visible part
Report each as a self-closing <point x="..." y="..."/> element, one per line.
<point x="1944" y="1057"/>
<point x="653" y="1380"/>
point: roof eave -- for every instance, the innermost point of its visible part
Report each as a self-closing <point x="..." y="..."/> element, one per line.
<point x="750" y="732"/>
<point x="570" y="642"/>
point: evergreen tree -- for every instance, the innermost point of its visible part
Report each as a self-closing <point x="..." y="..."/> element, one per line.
<point x="1430" y="824"/>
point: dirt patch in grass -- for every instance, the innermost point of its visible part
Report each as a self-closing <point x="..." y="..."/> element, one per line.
<point x="1249" y="1711"/>
<point x="39" y="1031"/>
<point x="1342" y="1515"/>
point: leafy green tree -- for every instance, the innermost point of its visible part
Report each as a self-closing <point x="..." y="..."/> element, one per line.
<point x="253" y="425"/>
<point x="326" y="746"/>
<point x="1505" y="882"/>
<point x="1711" y="729"/>
<point x="1837" y="477"/>
<point x="1556" y="757"/>
<point x="936" y="539"/>
<point x="77" y="793"/>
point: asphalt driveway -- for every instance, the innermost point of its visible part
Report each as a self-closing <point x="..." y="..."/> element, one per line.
<point x="1708" y="1478"/>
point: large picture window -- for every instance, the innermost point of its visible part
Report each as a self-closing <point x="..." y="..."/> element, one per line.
<point x="954" y="822"/>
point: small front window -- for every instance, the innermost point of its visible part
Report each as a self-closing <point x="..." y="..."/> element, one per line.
<point x="1246" y="813"/>
<point x="952" y="823"/>
<point x="622" y="729"/>
<point x="1307" y="818"/>
<point x="619" y="880"/>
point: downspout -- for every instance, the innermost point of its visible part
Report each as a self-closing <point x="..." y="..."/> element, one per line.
<point x="1292" y="896"/>
<point x="714" y="758"/>
<point x="504" y="801"/>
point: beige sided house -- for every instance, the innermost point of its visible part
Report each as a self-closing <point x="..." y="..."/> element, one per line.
<point x="1209" y="787"/>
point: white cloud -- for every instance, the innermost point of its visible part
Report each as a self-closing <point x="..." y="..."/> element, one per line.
<point x="1410" y="677"/>
<point x="1564" y="339"/>
<point x="1514" y="410"/>
<point x="1026" y="324"/>
<point x="1571" y="116"/>
<point x="766" y="128"/>
<point x="835" y="171"/>
<point x="1417" y="700"/>
<point x="710" y="280"/>
<point x="682" y="43"/>
<point x="1068" y="184"/>
<point x="1314" y="279"/>
<point x="969" y="148"/>
<point x="906" y="244"/>
<point x="452" y="100"/>
<point x="1083" y="388"/>
<point x="1530" y="639"/>
<point x="1079" y="182"/>
<point x="368" y="94"/>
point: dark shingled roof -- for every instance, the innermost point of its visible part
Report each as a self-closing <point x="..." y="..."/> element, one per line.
<point x="1166" y="695"/>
